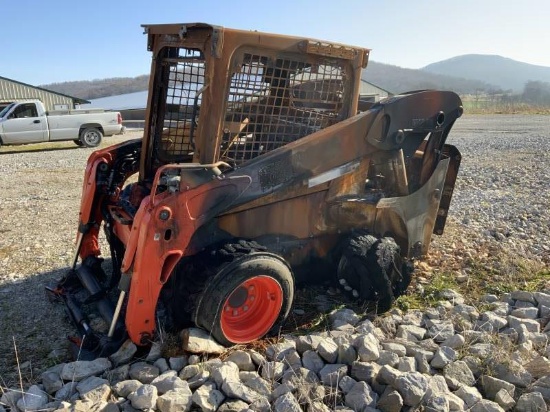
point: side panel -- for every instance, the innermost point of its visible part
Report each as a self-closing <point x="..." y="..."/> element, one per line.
<point x="300" y="217"/>
<point x="161" y="233"/>
<point x="67" y="127"/>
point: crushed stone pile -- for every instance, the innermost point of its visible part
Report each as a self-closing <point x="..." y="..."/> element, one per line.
<point x="452" y="357"/>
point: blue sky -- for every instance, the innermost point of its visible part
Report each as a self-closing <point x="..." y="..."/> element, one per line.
<point x="60" y="40"/>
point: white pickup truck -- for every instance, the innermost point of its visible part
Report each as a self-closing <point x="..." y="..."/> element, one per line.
<point x="27" y="121"/>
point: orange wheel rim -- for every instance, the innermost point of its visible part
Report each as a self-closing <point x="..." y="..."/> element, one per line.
<point x="251" y="309"/>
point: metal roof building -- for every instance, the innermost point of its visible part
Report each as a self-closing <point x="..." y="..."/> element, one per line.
<point x="12" y="90"/>
<point x="128" y="101"/>
<point x="368" y="90"/>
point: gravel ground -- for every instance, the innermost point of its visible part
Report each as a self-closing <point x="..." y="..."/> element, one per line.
<point x="40" y="198"/>
<point x="503" y="190"/>
<point x="499" y="209"/>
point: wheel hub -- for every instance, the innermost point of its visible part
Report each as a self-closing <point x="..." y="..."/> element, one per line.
<point x="251" y="309"/>
<point x="238" y="297"/>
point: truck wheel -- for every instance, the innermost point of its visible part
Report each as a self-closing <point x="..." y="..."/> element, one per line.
<point x="373" y="270"/>
<point x="78" y="142"/>
<point x="91" y="137"/>
<point x="246" y="299"/>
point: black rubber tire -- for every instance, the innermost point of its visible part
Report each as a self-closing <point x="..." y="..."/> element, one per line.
<point x="228" y="279"/>
<point x="187" y="296"/>
<point x="373" y="268"/>
<point x="91" y="137"/>
<point x="78" y="142"/>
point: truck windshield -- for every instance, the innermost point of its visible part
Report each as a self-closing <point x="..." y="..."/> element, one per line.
<point x="6" y="109"/>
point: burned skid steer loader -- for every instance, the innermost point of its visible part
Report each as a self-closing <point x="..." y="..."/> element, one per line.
<point x="256" y="169"/>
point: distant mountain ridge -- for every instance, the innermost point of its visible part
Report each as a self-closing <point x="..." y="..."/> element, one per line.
<point x="506" y="73"/>
<point x="398" y="80"/>
<point x="468" y="74"/>
<point x="392" y="78"/>
<point x="94" y="89"/>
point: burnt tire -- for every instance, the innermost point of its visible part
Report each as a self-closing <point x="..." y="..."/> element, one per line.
<point x="247" y="299"/>
<point x="200" y="282"/>
<point x="372" y="270"/>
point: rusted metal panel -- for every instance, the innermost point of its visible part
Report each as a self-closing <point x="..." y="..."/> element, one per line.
<point x="257" y="63"/>
<point x="300" y="217"/>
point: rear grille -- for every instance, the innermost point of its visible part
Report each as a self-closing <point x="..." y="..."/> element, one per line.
<point x="272" y="102"/>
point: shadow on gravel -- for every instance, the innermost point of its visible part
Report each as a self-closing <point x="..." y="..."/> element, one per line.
<point x="34" y="330"/>
<point x="31" y="327"/>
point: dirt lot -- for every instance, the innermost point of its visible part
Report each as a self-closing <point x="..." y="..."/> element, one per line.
<point x="500" y="203"/>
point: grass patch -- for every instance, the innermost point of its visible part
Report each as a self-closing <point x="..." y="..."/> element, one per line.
<point x="500" y="273"/>
<point x="506" y="273"/>
<point x="432" y="293"/>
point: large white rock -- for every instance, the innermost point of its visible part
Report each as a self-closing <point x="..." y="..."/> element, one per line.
<point x="228" y="371"/>
<point x="331" y="374"/>
<point x="145" y="397"/>
<point x="312" y="361"/>
<point x="367" y="347"/>
<point x="208" y="399"/>
<point x="531" y="402"/>
<point x="486" y="405"/>
<point x="76" y="371"/>
<point x="286" y="403"/>
<point x="469" y="394"/>
<point x="242" y="359"/>
<point x="273" y="371"/>
<point x="238" y="390"/>
<point x="124" y="353"/>
<point x="361" y="396"/>
<point x="33" y="399"/>
<point x="196" y="340"/>
<point x="94" y="389"/>
<point x="412" y="387"/>
<point x="328" y="350"/>
<point x="169" y="381"/>
<point x="278" y="351"/>
<point x="143" y="372"/>
<point x="125" y="388"/>
<point x="443" y="356"/>
<point x="179" y="400"/>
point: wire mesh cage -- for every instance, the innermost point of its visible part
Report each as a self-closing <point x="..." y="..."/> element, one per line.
<point x="185" y="70"/>
<point x="272" y="102"/>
